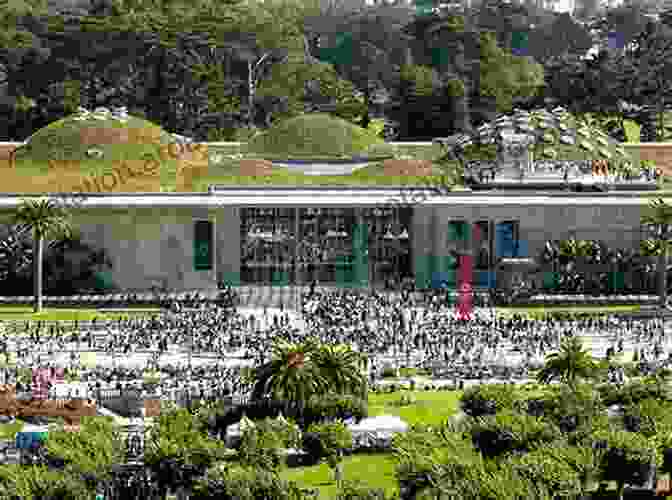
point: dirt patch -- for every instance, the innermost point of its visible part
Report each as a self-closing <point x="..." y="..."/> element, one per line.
<point x="115" y="135"/>
<point x="192" y="163"/>
<point x="414" y="168"/>
<point x="7" y="152"/>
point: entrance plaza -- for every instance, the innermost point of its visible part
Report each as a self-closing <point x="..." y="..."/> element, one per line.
<point x="350" y="237"/>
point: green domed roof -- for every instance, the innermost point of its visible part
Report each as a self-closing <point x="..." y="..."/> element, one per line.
<point x="313" y="134"/>
<point x="101" y="135"/>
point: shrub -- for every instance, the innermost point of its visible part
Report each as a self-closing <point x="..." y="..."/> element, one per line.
<point x="544" y="469"/>
<point x="332" y="407"/>
<point x="408" y="372"/>
<point x="506" y="432"/>
<point x="634" y="392"/>
<point x="323" y="441"/>
<point x="649" y="417"/>
<point x="288" y="433"/>
<point x="356" y="490"/>
<point x="575" y="409"/>
<point x="243" y="483"/>
<point x="627" y="456"/>
<point x="487" y="399"/>
<point x="405" y="400"/>
<point x="261" y="449"/>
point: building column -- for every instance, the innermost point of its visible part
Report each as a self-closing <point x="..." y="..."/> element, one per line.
<point x="296" y="248"/>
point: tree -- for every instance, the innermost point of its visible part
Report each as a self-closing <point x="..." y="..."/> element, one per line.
<point x="562" y="36"/>
<point x="291" y="374"/>
<point x="36" y="481"/>
<point x="659" y="220"/>
<point x="646" y="69"/>
<point x="506" y="77"/>
<point x="570" y="364"/>
<point x="365" y="47"/>
<point x="342" y="368"/>
<point x="91" y="452"/>
<point x="177" y="450"/>
<point x="46" y="219"/>
<point x="547" y="472"/>
<point x="627" y="459"/>
<point x="230" y="481"/>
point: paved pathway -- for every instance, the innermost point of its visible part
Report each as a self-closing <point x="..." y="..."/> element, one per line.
<point x="322" y="168"/>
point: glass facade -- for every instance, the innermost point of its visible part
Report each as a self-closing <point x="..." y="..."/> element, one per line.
<point x="346" y="246"/>
<point x="358" y="246"/>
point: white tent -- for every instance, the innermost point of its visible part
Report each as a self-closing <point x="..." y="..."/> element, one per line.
<point x="383" y="423"/>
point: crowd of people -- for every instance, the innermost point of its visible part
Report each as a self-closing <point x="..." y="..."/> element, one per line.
<point x="392" y="329"/>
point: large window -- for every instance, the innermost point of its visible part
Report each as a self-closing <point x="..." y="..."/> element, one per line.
<point x="508" y="244"/>
<point x="331" y="245"/>
<point x="388" y="242"/>
<point x="324" y="249"/>
<point x="483" y="246"/>
<point x="267" y="240"/>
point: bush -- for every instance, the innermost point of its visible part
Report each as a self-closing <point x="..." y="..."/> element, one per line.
<point x="323" y="441"/>
<point x="542" y="468"/>
<point x="487" y="399"/>
<point x="405" y="400"/>
<point x="287" y="433"/>
<point x="634" y="392"/>
<point x="408" y="372"/>
<point x="627" y="456"/>
<point x="507" y="432"/>
<point x="261" y="449"/>
<point x="332" y="407"/>
<point x="241" y="483"/>
<point x="649" y="417"/>
<point x="356" y="490"/>
<point x="573" y="409"/>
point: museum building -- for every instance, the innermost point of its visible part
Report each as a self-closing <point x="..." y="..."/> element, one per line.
<point x="342" y="236"/>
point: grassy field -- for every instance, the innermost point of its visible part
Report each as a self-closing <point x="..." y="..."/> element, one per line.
<point x="25" y="313"/>
<point x="430" y="407"/>
<point x="8" y="431"/>
<point x="541" y="310"/>
<point x="375" y="470"/>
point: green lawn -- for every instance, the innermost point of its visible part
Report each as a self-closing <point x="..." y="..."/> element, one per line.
<point x="8" y="431"/>
<point x="431" y="407"/>
<point x="375" y="470"/>
<point x="25" y="313"/>
<point x="541" y="310"/>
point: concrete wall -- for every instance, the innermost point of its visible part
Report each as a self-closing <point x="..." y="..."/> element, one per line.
<point x="618" y="226"/>
<point x="150" y="247"/>
<point x="227" y="246"/>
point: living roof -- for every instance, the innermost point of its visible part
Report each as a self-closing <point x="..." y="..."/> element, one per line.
<point x="318" y="134"/>
<point x="66" y="142"/>
<point x="557" y="135"/>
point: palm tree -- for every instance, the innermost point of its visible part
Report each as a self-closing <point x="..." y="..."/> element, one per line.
<point x="291" y="375"/>
<point x="341" y="368"/>
<point x="569" y="364"/>
<point x="659" y="221"/>
<point x="15" y="256"/>
<point x="46" y="219"/>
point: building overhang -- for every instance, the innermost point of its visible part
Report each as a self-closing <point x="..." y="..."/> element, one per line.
<point x="337" y="197"/>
